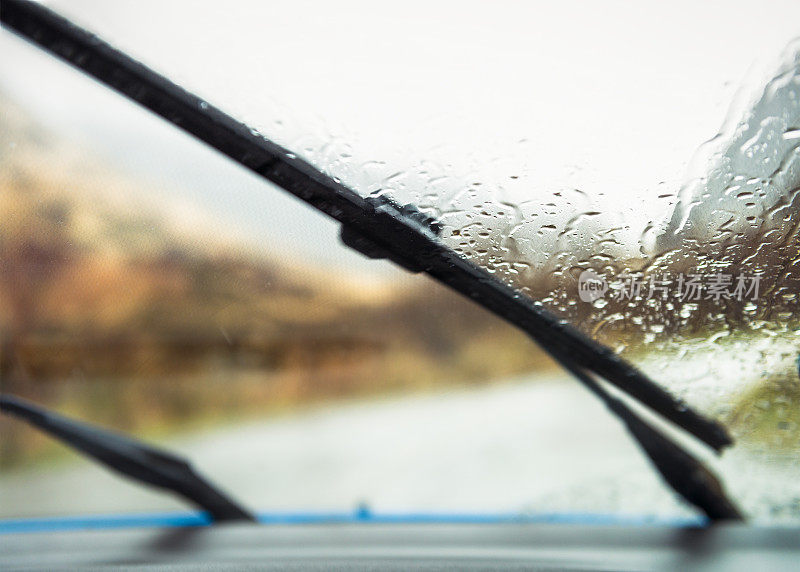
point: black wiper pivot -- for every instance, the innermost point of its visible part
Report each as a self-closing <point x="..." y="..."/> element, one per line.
<point x="130" y="458"/>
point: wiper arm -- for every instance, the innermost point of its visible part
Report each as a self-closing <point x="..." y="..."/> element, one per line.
<point x="683" y="472"/>
<point x="130" y="458"/>
<point x="376" y="226"/>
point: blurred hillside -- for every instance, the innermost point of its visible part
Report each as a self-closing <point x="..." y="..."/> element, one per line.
<point x="148" y="318"/>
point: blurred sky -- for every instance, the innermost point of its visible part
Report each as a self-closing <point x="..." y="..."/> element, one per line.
<point x="203" y="187"/>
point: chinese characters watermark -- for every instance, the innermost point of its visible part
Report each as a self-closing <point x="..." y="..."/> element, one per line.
<point x="685" y="287"/>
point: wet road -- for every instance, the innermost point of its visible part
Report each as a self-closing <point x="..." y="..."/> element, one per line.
<point x="524" y="445"/>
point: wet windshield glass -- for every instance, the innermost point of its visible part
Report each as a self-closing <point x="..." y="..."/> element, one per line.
<point x="637" y="177"/>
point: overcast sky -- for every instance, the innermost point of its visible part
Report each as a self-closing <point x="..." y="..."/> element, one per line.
<point x="203" y="185"/>
<point x="611" y="98"/>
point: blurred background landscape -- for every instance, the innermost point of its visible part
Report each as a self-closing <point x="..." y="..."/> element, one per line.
<point x="114" y="313"/>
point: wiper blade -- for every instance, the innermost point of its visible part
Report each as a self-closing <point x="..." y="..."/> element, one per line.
<point x="376" y="226"/>
<point x="130" y="458"/>
<point x="683" y="472"/>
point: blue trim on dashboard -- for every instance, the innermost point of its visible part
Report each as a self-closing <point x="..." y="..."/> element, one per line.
<point x="102" y="522"/>
<point x="360" y="516"/>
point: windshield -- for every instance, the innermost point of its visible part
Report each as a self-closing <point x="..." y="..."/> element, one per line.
<point x="544" y="144"/>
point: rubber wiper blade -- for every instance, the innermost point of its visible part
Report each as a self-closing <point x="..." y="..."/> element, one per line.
<point x="683" y="472"/>
<point x="130" y="458"/>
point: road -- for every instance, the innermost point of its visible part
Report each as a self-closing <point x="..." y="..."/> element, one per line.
<point x="523" y="445"/>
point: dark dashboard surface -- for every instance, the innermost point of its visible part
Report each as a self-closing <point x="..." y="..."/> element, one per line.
<point x="402" y="547"/>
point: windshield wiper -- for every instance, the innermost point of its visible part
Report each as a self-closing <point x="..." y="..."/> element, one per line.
<point x="376" y="226"/>
<point x="130" y="458"/>
<point x="685" y="473"/>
